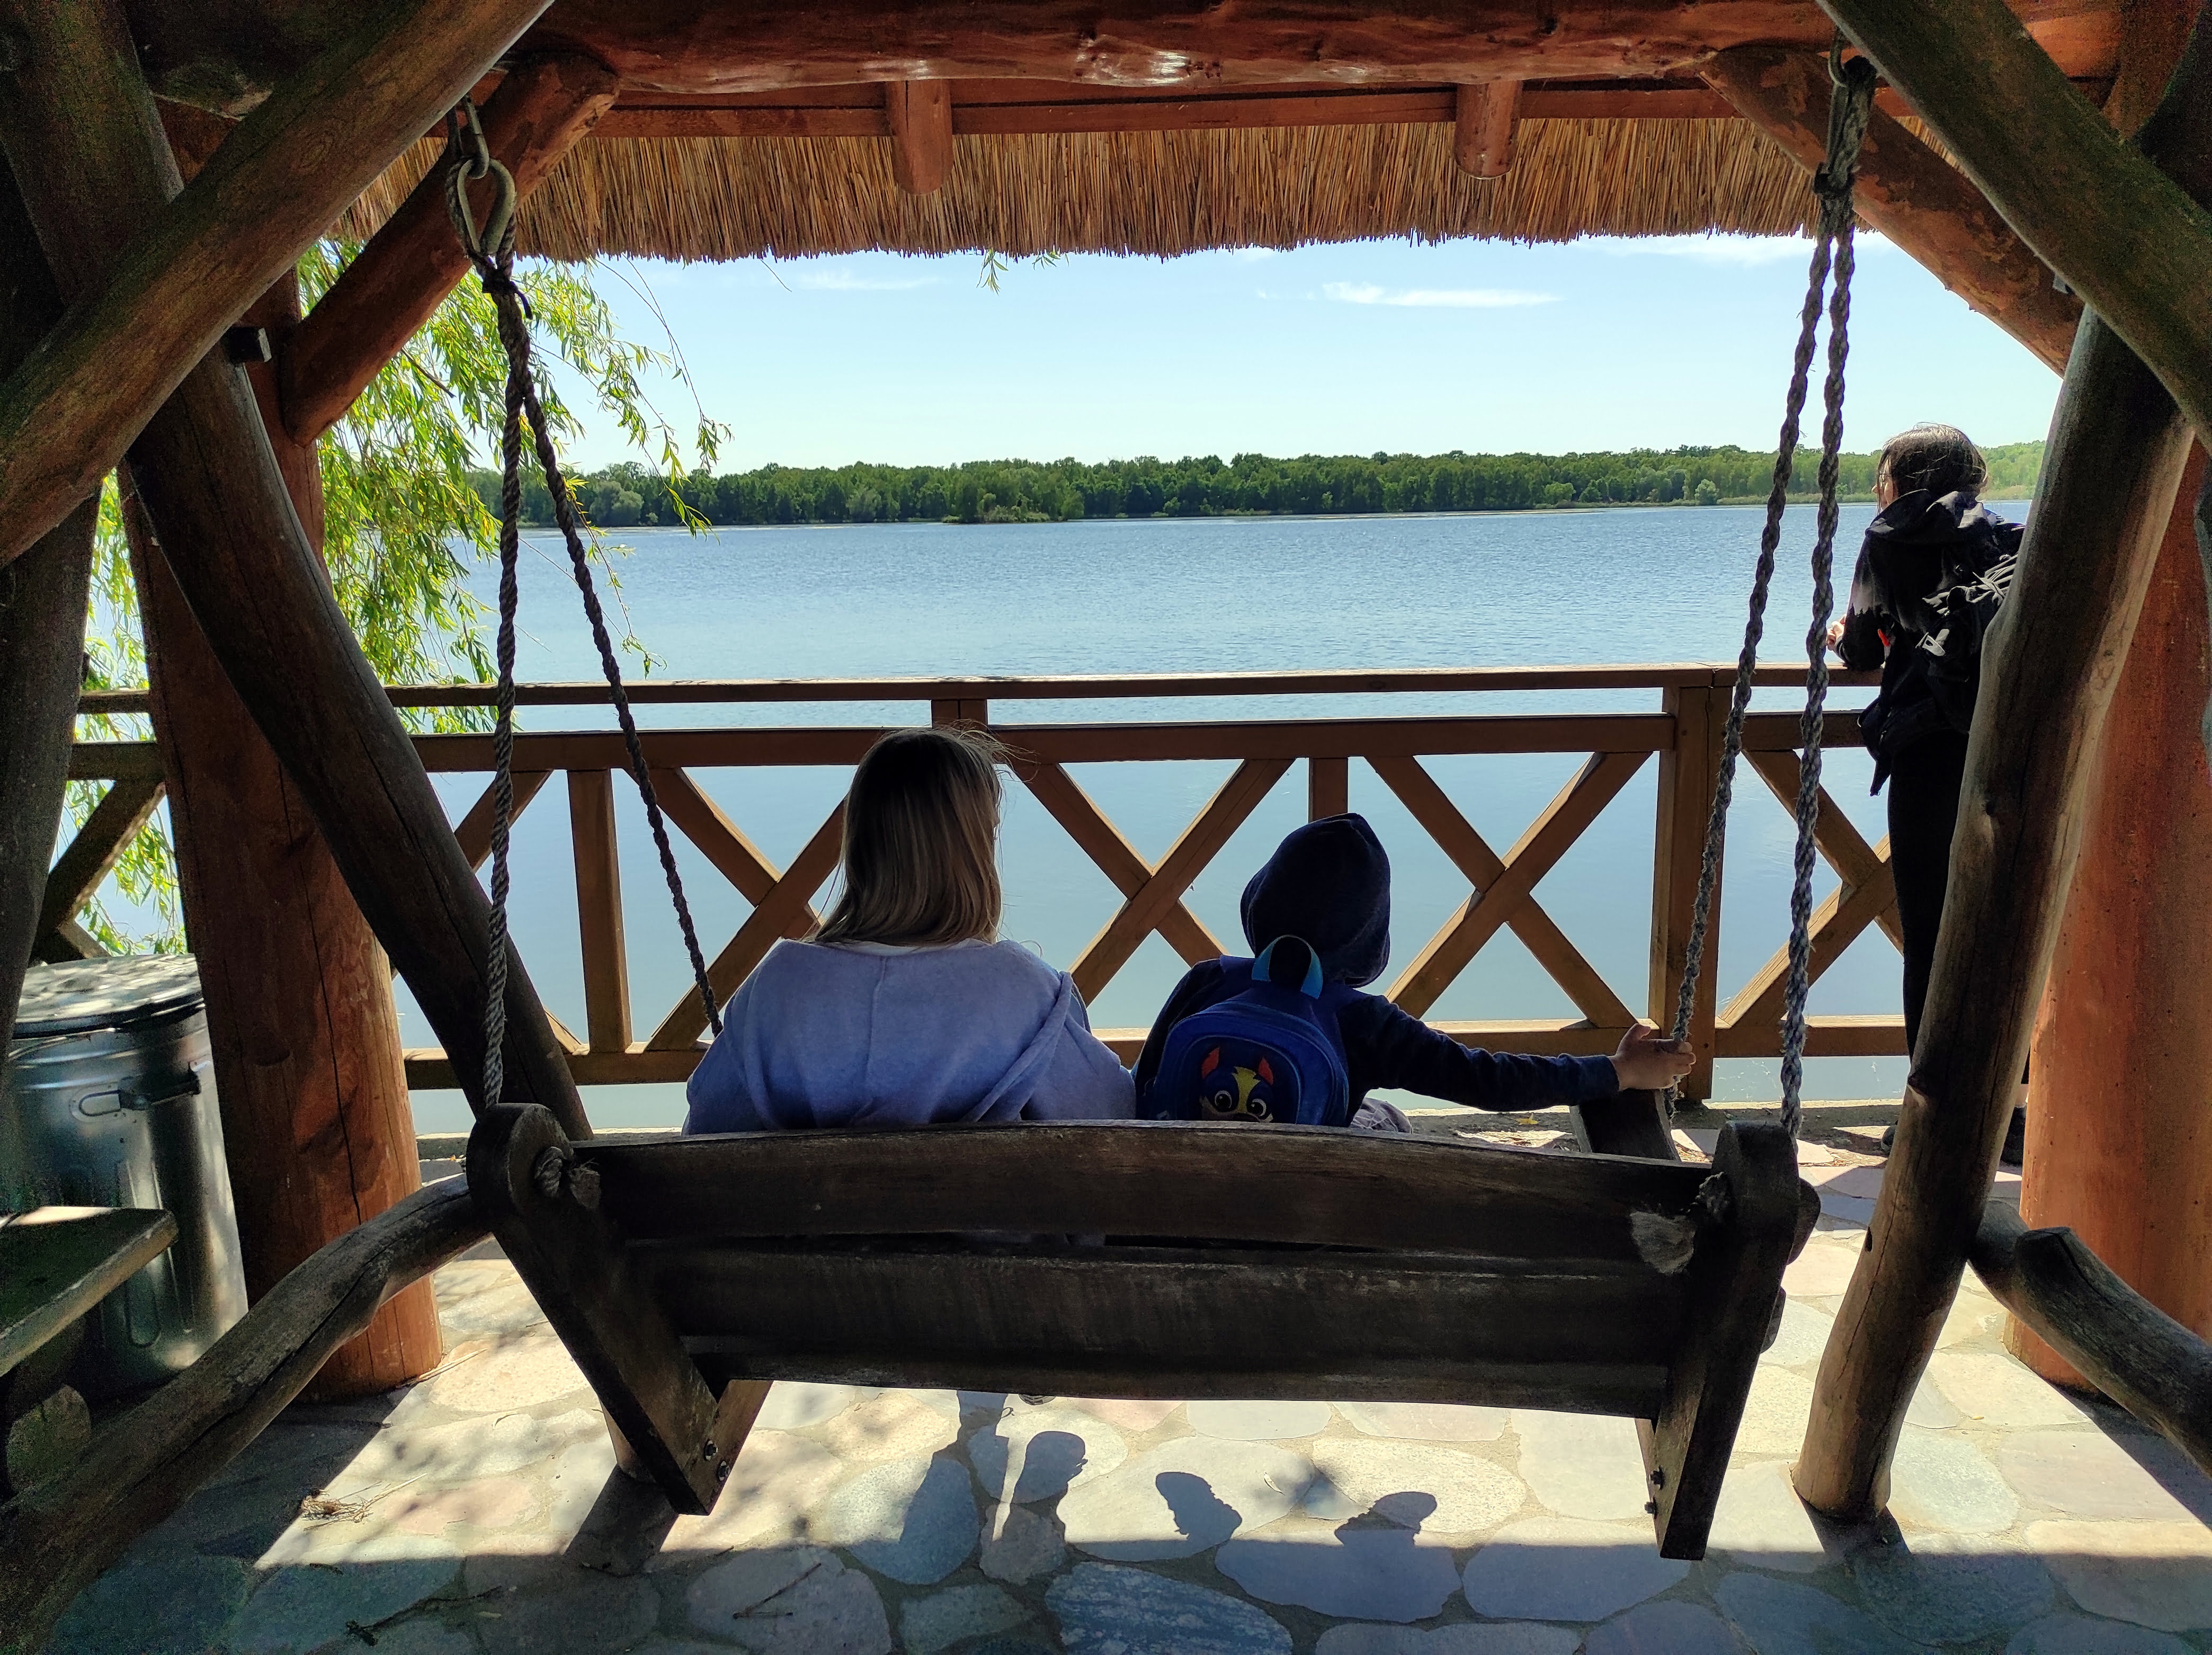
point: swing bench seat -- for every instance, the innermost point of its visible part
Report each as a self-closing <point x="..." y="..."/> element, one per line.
<point x="686" y="1274"/>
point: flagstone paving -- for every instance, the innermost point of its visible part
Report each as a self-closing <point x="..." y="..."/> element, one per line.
<point x="478" y="1512"/>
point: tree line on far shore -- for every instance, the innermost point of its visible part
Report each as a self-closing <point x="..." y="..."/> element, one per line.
<point x="1031" y="491"/>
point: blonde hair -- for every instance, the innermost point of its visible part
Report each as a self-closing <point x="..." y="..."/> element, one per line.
<point x="921" y="856"/>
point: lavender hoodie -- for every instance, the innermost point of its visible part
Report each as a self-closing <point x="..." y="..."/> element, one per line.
<point x="866" y="1036"/>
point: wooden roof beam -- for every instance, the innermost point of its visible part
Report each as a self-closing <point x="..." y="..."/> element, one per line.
<point x="1486" y="115"/>
<point x="1912" y="194"/>
<point x="292" y="167"/>
<point x="919" y="114"/>
<point x="2125" y="235"/>
<point x="542" y="107"/>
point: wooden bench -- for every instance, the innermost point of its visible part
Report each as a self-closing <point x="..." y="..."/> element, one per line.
<point x="687" y="1273"/>
<point x="57" y="1263"/>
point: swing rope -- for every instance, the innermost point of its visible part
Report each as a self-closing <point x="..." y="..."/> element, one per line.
<point x="491" y="250"/>
<point x="1850" y="110"/>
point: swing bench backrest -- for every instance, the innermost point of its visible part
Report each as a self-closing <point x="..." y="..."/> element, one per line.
<point x="1150" y="1260"/>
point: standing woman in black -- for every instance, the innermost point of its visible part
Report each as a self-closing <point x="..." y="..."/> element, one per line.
<point x="1931" y="573"/>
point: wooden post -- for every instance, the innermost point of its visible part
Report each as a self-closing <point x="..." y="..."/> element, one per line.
<point x="1482" y="139"/>
<point x="2119" y="1141"/>
<point x="307" y="1062"/>
<point x="1911" y="194"/>
<point x="144" y="313"/>
<point x="2111" y="466"/>
<point x="2114" y="459"/>
<point x="393" y="285"/>
<point x="95" y="163"/>
<point x="1328" y="787"/>
<point x="42" y="607"/>
<point x="1688" y="771"/>
<point x="921" y="114"/>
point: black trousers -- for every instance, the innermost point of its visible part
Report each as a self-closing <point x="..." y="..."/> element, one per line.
<point x="1923" y="809"/>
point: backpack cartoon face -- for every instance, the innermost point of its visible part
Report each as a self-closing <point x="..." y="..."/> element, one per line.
<point x="1236" y="1091"/>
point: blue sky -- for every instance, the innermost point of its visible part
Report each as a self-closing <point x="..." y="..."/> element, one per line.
<point x="1482" y="346"/>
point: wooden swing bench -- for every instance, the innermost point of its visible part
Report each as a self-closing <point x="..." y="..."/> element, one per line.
<point x="686" y="1274"/>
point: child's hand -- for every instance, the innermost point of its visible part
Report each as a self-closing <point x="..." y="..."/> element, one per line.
<point x="1646" y="1060"/>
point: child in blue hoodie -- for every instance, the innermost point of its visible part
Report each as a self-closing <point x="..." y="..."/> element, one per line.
<point x="1328" y="884"/>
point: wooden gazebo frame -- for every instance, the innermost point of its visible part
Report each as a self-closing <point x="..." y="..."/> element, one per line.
<point x="120" y="282"/>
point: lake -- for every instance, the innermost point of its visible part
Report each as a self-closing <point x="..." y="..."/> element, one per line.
<point x="1215" y="594"/>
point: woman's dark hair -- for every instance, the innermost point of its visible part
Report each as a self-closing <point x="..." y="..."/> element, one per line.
<point x="921" y="826"/>
<point x="1940" y="459"/>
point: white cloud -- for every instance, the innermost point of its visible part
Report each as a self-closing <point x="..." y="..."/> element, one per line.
<point x="1367" y="293"/>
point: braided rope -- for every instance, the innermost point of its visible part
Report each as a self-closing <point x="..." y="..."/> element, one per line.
<point x="491" y="250"/>
<point x="1851" y="110"/>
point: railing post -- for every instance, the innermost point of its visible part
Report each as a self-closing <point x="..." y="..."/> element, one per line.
<point x="1328" y="787"/>
<point x="1687" y="773"/>
<point x="950" y="710"/>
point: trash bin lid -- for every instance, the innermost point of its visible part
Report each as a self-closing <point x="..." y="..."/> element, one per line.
<point x="79" y="995"/>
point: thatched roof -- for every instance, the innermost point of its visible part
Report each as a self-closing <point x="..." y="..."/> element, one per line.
<point x="1158" y="192"/>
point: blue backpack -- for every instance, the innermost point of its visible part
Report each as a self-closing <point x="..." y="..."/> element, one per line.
<point x="1268" y="1056"/>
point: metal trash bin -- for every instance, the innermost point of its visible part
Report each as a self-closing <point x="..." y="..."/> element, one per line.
<point x="108" y="1100"/>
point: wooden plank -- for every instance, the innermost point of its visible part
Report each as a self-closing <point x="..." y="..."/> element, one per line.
<point x="572" y="1257"/>
<point x="1456" y="836"/>
<point x="1533" y="856"/>
<point x="1067" y="803"/>
<point x="1628" y="1123"/>
<point x="1689" y="771"/>
<point x="599" y="910"/>
<point x="1128" y="1320"/>
<point x="79" y="870"/>
<point x="1328" y="787"/>
<point x="2127" y="237"/>
<point x="1911" y="194"/>
<point x="2116" y="448"/>
<point x="1197" y="845"/>
<point x="1876" y="1035"/>
<point x="58" y="1262"/>
<point x="723" y="843"/>
<point x="2134" y="1353"/>
<point x="919" y="114"/>
<point x="114" y="761"/>
<point x="1836" y="922"/>
<point x="56" y="1536"/>
<point x="1486" y="115"/>
<point x="1733" y="1279"/>
<point x="1859" y="864"/>
<point x="542" y="107"/>
<point x="1305" y="1184"/>
<point x="473" y="832"/>
<point x="147" y="317"/>
<point x="771" y="918"/>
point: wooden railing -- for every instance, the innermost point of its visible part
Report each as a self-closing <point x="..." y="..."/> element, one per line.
<point x="1683" y="734"/>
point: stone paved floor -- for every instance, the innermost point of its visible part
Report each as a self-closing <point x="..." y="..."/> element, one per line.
<point x="478" y="1511"/>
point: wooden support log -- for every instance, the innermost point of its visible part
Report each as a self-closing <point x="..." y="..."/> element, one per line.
<point x="68" y="414"/>
<point x="56" y="1536"/>
<point x="393" y="285"/>
<point x="2132" y="1351"/>
<point x="2126" y="236"/>
<point x="42" y="609"/>
<point x="755" y="45"/>
<point x="2111" y="468"/>
<point x="921" y="115"/>
<point x="229" y="531"/>
<point x="1911" y="194"/>
<point x="1486" y="115"/>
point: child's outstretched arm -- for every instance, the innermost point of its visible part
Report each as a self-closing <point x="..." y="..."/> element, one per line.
<point x="1646" y="1060"/>
<point x="1389" y="1048"/>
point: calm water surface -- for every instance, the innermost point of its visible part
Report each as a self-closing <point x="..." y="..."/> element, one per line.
<point x="1205" y="595"/>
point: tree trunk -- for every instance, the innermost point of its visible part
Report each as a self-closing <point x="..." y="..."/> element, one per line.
<point x="2120" y="1140"/>
<point x="306" y="1039"/>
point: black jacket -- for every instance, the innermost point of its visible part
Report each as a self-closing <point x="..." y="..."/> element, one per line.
<point x="1385" y="1047"/>
<point x="1931" y="573"/>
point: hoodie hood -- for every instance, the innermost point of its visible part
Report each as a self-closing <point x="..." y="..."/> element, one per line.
<point x="1902" y="562"/>
<point x="1328" y="884"/>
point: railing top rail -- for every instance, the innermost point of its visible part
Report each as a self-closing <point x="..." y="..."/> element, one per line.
<point x="1659" y="675"/>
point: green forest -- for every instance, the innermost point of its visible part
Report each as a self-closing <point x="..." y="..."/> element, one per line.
<point x="1033" y="491"/>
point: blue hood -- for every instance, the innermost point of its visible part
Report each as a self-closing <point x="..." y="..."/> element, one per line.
<point x="1329" y="884"/>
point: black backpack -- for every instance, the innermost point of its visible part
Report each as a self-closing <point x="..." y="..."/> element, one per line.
<point x="1943" y="573"/>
